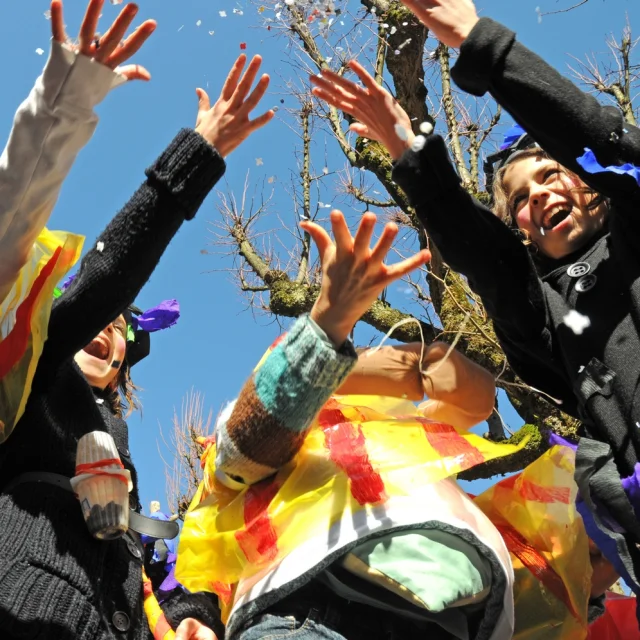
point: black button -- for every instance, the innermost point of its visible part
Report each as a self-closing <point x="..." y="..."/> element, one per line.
<point x="586" y="283"/>
<point x="121" y="621"/>
<point x="578" y="269"/>
<point x="124" y="452"/>
<point x="133" y="549"/>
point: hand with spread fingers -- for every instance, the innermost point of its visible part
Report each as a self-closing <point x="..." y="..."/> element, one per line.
<point x="227" y="123"/>
<point x="377" y="111"/>
<point x="451" y="21"/>
<point x="111" y="49"/>
<point x="353" y="274"/>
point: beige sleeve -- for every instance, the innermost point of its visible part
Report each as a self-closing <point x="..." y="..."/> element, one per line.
<point x="459" y="391"/>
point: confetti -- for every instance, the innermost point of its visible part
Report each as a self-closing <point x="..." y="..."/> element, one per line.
<point x="426" y="128"/>
<point x="271" y="180"/>
<point x="39" y="51"/>
<point x="325" y="170"/>
<point x="211" y="33"/>
<point x="259" y="162"/>
<point x="198" y="23"/>
<point x="243" y="46"/>
<point x="100" y="247"/>
<point x="418" y="143"/>
<point x="238" y="12"/>
<point x="47" y="15"/>
<point x="223" y="14"/>
<point x="393" y="30"/>
<point x="576" y="322"/>
<point x="401" y="132"/>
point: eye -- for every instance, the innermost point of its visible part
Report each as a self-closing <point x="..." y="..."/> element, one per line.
<point x="551" y="175"/>
<point x="517" y="201"/>
<point x="120" y="328"/>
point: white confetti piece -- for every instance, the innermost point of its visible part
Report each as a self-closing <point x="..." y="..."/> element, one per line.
<point x="211" y="33"/>
<point x="259" y="162"/>
<point x="39" y="51"/>
<point x="426" y="128"/>
<point x="47" y="15"/>
<point x="325" y="170"/>
<point x="223" y="14"/>
<point x="198" y="23"/>
<point x="576" y="322"/>
<point x="99" y="400"/>
<point x="418" y="143"/>
<point x="100" y="247"/>
<point x="393" y="30"/>
<point x="238" y="12"/>
<point x="401" y="132"/>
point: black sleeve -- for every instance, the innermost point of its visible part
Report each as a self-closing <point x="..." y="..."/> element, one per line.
<point x="560" y="117"/>
<point x="475" y="243"/>
<point x="201" y="606"/>
<point x="128" y="250"/>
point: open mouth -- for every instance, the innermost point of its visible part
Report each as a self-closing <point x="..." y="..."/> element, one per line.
<point x="553" y="218"/>
<point x="98" y="348"/>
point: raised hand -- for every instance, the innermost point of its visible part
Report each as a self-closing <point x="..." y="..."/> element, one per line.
<point x="451" y="21"/>
<point x="353" y="274"/>
<point x="376" y="110"/>
<point x="227" y="123"/>
<point x="110" y="49"/>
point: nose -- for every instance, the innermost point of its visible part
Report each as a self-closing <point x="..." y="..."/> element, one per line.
<point x="109" y="328"/>
<point x="538" y="195"/>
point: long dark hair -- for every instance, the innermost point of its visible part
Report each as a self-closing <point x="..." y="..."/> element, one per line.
<point x="121" y="393"/>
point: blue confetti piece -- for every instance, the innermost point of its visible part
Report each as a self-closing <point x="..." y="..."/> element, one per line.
<point x="591" y="165"/>
<point x="511" y="136"/>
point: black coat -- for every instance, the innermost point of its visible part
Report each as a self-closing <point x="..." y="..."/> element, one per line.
<point x="595" y="375"/>
<point x="56" y="581"/>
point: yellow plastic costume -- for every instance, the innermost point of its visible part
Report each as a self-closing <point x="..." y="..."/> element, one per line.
<point x="24" y="318"/>
<point x="535" y="513"/>
<point x="363" y="451"/>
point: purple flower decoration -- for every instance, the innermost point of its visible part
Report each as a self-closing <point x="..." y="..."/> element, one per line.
<point x="163" y="316"/>
<point x="591" y="165"/>
<point x="511" y="136"/>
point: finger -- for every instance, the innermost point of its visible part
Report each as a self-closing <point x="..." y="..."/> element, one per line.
<point x="57" y="22"/>
<point x="256" y="95"/>
<point x="232" y="79"/>
<point x="348" y="85"/>
<point x="362" y="242"/>
<point x="114" y="35"/>
<point x="385" y="242"/>
<point x="132" y="44"/>
<point x="327" y="85"/>
<point x="134" y="72"/>
<point x="360" y="129"/>
<point x="397" y="271"/>
<point x="341" y="233"/>
<point x="259" y="122"/>
<point x="244" y="86"/>
<point x="365" y="77"/>
<point x="335" y="101"/>
<point x="204" y="104"/>
<point x="320" y="237"/>
<point x="89" y="26"/>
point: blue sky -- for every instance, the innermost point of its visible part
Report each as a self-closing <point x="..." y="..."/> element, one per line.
<point x="217" y="342"/>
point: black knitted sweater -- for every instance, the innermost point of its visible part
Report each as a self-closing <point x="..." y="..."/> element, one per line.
<point x="56" y="581"/>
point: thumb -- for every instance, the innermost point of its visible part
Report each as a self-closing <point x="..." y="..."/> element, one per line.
<point x="134" y="72"/>
<point x="320" y="237"/>
<point x="360" y="129"/>
<point x="203" y="100"/>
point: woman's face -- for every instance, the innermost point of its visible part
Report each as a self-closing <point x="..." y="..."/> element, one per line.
<point x="546" y="203"/>
<point x="101" y="359"/>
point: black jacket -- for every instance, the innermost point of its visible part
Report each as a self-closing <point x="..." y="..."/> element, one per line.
<point x="56" y="581"/>
<point x="595" y="375"/>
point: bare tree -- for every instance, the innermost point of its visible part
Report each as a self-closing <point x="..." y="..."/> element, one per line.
<point x="182" y="469"/>
<point x="274" y="269"/>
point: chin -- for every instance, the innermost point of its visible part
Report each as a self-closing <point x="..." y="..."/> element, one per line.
<point x="97" y="372"/>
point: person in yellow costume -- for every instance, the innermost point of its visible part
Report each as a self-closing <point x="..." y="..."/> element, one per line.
<point x="335" y="515"/>
<point x="50" y="128"/>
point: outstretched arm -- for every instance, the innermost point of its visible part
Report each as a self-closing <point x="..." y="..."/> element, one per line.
<point x="459" y="391"/>
<point x="51" y="127"/>
<point x="561" y="118"/>
<point x="127" y="252"/>
<point x="277" y="405"/>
